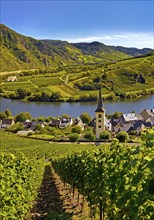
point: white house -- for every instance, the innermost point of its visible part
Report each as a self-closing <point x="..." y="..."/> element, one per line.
<point x="12" y="78"/>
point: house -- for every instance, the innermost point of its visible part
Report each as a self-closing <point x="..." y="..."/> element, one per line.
<point x="65" y="122"/>
<point x="79" y="122"/>
<point x="123" y="127"/>
<point x="139" y="126"/>
<point x="55" y="123"/>
<point x="12" y="78"/>
<point x="127" y="118"/>
<point x="147" y="113"/>
<point x="6" y="123"/>
<point x="27" y="124"/>
<point x="108" y="125"/>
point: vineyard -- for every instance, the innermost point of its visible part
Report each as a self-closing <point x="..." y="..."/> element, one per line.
<point x="111" y="182"/>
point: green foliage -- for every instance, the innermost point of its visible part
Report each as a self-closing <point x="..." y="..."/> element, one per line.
<point x="20" y="180"/>
<point x="22" y="93"/>
<point x="74" y="137"/>
<point x="89" y="135"/>
<point x="2" y="115"/>
<point x="105" y="135"/>
<point x="22" y="117"/>
<point x="76" y="129"/>
<point x="65" y="116"/>
<point x="118" y="180"/>
<point x="122" y="136"/>
<point x="85" y="117"/>
<point x="8" y="113"/>
<point x="15" y="127"/>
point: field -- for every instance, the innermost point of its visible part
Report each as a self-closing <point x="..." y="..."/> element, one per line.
<point x="73" y="181"/>
<point x="38" y="148"/>
<point x="76" y="81"/>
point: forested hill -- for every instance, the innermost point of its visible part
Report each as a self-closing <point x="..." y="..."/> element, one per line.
<point x="132" y="51"/>
<point x="21" y="52"/>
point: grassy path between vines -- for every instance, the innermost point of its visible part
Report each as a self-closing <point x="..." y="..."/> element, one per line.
<point x="55" y="201"/>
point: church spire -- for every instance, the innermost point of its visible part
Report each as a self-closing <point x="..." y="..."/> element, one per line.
<point x="100" y="107"/>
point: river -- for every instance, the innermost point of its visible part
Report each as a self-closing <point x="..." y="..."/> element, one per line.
<point x="75" y="109"/>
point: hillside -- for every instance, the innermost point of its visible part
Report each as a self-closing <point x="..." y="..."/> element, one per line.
<point x="132" y="51"/>
<point x="122" y="79"/>
<point x="21" y="52"/>
<point x="100" y="50"/>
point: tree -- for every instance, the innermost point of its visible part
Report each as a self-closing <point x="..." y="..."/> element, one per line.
<point x="85" y="117"/>
<point x="23" y="116"/>
<point x="117" y="115"/>
<point x="8" y="113"/>
<point x="77" y="129"/>
<point x="22" y="93"/>
<point x="55" y="96"/>
<point x="74" y="137"/>
<point x="15" y="128"/>
<point x="122" y="136"/>
<point x="2" y="115"/>
<point x="89" y="135"/>
<point x="105" y="135"/>
<point x="65" y="116"/>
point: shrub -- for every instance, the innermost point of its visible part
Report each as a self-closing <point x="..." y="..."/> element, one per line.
<point x="89" y="135"/>
<point x="77" y="129"/>
<point x="85" y="117"/>
<point x="74" y="137"/>
<point x="105" y="135"/>
<point x="122" y="136"/>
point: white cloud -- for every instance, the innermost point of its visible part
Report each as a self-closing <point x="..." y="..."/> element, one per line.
<point x="139" y="40"/>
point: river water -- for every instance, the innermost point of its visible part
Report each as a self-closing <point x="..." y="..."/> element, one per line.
<point x="75" y="109"/>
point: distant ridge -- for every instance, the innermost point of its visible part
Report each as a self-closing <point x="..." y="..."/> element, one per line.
<point x="132" y="51"/>
<point x="21" y="52"/>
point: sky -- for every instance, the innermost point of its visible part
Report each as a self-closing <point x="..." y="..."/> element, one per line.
<point x="125" y="23"/>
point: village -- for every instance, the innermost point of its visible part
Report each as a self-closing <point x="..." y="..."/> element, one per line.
<point x="81" y="128"/>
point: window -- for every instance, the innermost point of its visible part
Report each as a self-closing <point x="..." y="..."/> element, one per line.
<point x="99" y="115"/>
<point x="99" y="121"/>
<point x="99" y="126"/>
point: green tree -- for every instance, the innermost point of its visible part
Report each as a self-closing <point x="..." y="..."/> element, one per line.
<point x="74" y="137"/>
<point x="89" y="135"/>
<point x="122" y="136"/>
<point x="105" y="135"/>
<point x="77" y="129"/>
<point x="2" y="115"/>
<point x="8" y="113"/>
<point x="85" y="117"/>
<point x="22" y="93"/>
<point x="65" y="116"/>
<point x="15" y="128"/>
<point x="23" y="116"/>
<point x="117" y="115"/>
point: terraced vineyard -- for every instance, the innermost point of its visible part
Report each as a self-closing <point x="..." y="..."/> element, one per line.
<point x="87" y="182"/>
<point x="78" y="81"/>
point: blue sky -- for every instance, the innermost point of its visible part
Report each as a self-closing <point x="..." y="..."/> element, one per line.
<point x="126" y="23"/>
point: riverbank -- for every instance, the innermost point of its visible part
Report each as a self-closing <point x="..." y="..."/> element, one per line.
<point x="75" y="109"/>
<point x="55" y="97"/>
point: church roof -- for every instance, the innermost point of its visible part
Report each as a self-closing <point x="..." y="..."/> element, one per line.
<point x="100" y="107"/>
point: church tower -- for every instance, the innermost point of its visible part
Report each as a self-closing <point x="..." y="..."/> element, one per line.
<point x="100" y="116"/>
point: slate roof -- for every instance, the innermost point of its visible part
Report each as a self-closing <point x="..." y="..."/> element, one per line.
<point x="100" y="107"/>
<point x="7" y="121"/>
<point x="130" y="117"/>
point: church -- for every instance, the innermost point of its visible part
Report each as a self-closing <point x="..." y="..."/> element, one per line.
<point x="100" y="116"/>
